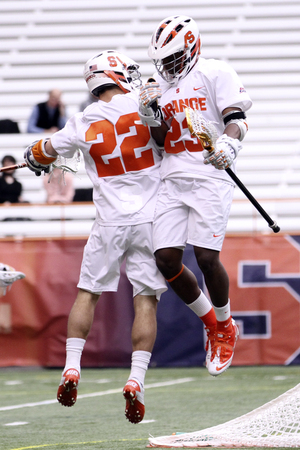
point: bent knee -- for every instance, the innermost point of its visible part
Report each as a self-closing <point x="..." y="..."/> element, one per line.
<point x="169" y="261"/>
<point x="207" y="260"/>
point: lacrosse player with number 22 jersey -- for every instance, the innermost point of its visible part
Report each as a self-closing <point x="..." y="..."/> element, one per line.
<point x="122" y="161"/>
<point x="196" y="192"/>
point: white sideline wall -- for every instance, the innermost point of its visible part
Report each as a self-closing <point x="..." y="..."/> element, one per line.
<point x="45" y="43"/>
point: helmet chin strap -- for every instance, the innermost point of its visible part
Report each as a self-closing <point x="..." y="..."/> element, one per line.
<point x="116" y="78"/>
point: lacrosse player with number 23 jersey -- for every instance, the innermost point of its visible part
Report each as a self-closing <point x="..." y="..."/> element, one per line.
<point x="122" y="161"/>
<point x="196" y="192"/>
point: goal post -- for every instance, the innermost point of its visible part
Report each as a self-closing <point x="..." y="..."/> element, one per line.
<point x="275" y="424"/>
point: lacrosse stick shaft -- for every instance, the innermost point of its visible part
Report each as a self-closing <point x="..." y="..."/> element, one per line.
<point x="206" y="133"/>
<point x="14" y="167"/>
<point x="271" y="222"/>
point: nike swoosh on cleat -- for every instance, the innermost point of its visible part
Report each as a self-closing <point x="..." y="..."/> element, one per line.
<point x="221" y="367"/>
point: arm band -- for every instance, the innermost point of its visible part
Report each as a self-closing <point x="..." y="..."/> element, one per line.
<point x="233" y="115"/>
<point x="239" y="118"/>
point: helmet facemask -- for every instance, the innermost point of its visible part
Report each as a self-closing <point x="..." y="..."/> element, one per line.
<point x="134" y="76"/>
<point x="173" y="67"/>
<point x="175" y="48"/>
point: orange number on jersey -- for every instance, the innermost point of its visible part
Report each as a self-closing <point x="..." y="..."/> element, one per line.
<point x="113" y="166"/>
<point x="129" y="146"/>
<point x="174" y="135"/>
<point x="192" y="146"/>
<point x="179" y="146"/>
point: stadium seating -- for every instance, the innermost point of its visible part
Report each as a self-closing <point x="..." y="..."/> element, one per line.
<point x="44" y="44"/>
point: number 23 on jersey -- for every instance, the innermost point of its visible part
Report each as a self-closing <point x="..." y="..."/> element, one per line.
<point x="175" y="144"/>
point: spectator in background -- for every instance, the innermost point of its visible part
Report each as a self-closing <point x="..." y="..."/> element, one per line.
<point x="59" y="187"/>
<point x="49" y="116"/>
<point x="90" y="99"/>
<point x="8" y="126"/>
<point x="10" y="188"/>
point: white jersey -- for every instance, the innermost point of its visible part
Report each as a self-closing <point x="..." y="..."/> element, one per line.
<point x="210" y="87"/>
<point x="120" y="158"/>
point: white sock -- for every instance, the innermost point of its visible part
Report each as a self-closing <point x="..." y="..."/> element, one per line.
<point x="201" y="306"/>
<point x="139" y="365"/>
<point x="223" y="313"/>
<point x="74" y="348"/>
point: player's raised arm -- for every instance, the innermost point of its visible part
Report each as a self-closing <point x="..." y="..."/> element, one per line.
<point x="150" y="111"/>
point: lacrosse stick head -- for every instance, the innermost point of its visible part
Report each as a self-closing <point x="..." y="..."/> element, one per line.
<point x="71" y="165"/>
<point x="202" y="129"/>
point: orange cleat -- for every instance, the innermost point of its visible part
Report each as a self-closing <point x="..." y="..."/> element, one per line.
<point x="134" y="396"/>
<point x="223" y="349"/>
<point x="67" y="390"/>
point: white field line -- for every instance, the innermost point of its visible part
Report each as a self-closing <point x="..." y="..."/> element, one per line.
<point x="15" y="424"/>
<point x="98" y="394"/>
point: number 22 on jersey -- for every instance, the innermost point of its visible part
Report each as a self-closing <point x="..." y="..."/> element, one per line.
<point x="131" y="158"/>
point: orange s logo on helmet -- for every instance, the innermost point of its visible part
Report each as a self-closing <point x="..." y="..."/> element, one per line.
<point x="113" y="61"/>
<point x="189" y="38"/>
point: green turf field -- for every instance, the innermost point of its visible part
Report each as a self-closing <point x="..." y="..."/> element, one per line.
<point x="185" y="399"/>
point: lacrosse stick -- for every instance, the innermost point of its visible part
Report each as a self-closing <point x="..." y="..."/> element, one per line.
<point x="206" y="132"/>
<point x="65" y="164"/>
<point x="13" y="167"/>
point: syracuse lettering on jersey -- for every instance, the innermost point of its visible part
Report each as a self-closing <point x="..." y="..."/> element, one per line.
<point x="177" y="106"/>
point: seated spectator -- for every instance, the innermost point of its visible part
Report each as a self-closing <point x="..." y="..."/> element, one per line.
<point x="8" y="126"/>
<point x="83" y="195"/>
<point x="90" y="99"/>
<point x="59" y="187"/>
<point x="49" y="116"/>
<point x="10" y="188"/>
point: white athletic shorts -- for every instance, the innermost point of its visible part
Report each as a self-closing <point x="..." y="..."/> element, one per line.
<point x="106" y="249"/>
<point x="192" y="211"/>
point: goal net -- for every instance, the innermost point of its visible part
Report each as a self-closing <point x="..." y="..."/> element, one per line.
<point x="275" y="424"/>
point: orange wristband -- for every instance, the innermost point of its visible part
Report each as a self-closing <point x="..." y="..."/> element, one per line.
<point x="38" y="154"/>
